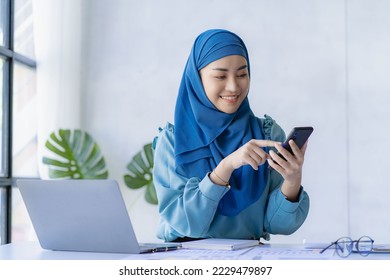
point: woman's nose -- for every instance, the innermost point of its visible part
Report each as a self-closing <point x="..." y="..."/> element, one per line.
<point x="231" y="85"/>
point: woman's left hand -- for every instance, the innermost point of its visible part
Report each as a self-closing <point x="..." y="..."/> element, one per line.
<point x="290" y="168"/>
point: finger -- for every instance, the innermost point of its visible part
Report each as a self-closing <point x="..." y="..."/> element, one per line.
<point x="304" y="147"/>
<point x="277" y="159"/>
<point x="296" y="151"/>
<point x="275" y="166"/>
<point x="255" y="160"/>
<point x="265" y="143"/>
<point x="260" y="154"/>
<point x="299" y="153"/>
<point x="258" y="157"/>
<point x="253" y="163"/>
<point x="284" y="152"/>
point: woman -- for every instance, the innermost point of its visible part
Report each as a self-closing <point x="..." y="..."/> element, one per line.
<point x="211" y="169"/>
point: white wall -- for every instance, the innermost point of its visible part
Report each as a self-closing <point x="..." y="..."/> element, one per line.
<point x="57" y="35"/>
<point x="369" y="117"/>
<point x="323" y="63"/>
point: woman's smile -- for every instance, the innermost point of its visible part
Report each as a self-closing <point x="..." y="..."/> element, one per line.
<point x="230" y="98"/>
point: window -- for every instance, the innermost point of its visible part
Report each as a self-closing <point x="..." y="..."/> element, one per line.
<point x="18" y="116"/>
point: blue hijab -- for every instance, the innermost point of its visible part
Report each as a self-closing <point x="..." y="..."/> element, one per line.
<point x="204" y="135"/>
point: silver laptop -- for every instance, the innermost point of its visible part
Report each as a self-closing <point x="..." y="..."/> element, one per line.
<point x="82" y="215"/>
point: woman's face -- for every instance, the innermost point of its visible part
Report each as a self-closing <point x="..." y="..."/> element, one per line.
<point x="226" y="82"/>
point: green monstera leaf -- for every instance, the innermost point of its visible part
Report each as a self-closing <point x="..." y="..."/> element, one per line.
<point x="75" y="156"/>
<point x="141" y="175"/>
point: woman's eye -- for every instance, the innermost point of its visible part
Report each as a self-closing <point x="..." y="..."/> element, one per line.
<point x="243" y="75"/>
<point x="220" y="77"/>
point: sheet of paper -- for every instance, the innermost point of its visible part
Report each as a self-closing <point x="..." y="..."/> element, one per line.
<point x="197" y="254"/>
<point x="254" y="253"/>
<point x="270" y="253"/>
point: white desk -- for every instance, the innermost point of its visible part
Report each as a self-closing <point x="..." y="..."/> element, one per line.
<point x="33" y="251"/>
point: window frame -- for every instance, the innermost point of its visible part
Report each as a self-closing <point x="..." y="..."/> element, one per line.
<point x="7" y="181"/>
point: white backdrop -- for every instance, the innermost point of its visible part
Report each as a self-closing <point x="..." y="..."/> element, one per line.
<point x="323" y="63"/>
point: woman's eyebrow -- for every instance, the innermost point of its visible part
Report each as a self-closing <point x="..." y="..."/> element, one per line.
<point x="226" y="70"/>
<point x="242" y="67"/>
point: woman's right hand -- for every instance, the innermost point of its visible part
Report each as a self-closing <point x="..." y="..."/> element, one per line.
<point x="251" y="153"/>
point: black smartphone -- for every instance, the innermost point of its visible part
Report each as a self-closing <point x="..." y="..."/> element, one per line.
<point x="299" y="135"/>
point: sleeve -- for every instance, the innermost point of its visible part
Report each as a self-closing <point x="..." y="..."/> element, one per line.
<point x="187" y="205"/>
<point x="283" y="216"/>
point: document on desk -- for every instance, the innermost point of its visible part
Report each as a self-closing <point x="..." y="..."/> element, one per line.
<point x="261" y="252"/>
<point x="196" y="254"/>
<point x="220" y="244"/>
<point x="270" y="252"/>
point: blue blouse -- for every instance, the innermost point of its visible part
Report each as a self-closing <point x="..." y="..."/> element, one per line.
<point x="187" y="206"/>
